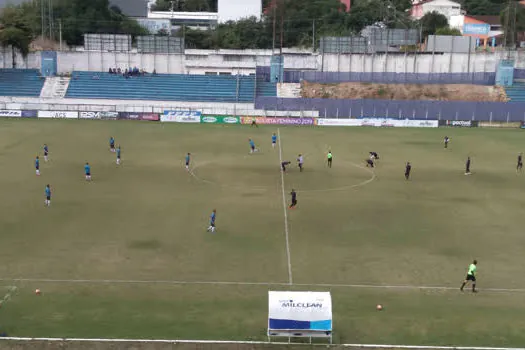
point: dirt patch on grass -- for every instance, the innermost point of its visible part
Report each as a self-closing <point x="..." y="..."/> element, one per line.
<point x="445" y="92"/>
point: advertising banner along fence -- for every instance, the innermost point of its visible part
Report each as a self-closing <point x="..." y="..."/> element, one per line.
<point x="220" y="119"/>
<point x="181" y="116"/>
<point x="279" y="121"/>
<point x="299" y="314"/>
<point x="138" y="116"/>
<point x="58" y="114"/>
<point x="98" y="115"/>
<point x="29" y="114"/>
<point x="9" y="113"/>
<point x="459" y="123"/>
<point x="379" y="122"/>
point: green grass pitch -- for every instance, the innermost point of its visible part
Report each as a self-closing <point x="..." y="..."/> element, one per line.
<point x="353" y="230"/>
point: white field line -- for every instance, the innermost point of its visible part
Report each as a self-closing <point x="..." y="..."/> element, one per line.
<point x="183" y="341"/>
<point x="286" y="232"/>
<point x="269" y="284"/>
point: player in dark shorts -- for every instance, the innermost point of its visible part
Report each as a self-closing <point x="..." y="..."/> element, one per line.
<point x="294" y="199"/>
<point x="369" y="163"/>
<point x="408" y="169"/>
<point x="467" y="167"/>
<point x="374" y="155"/>
<point x="329" y="158"/>
<point x="519" y="167"/>
<point x="471" y="276"/>
<point x="254" y="122"/>
<point x="446" y="140"/>
<point x="284" y="164"/>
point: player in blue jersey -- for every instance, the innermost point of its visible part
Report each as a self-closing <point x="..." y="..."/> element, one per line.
<point x="212" y="221"/>
<point x="118" y="155"/>
<point x="274" y="140"/>
<point x="46" y="152"/>
<point x="37" y="166"/>
<point x="48" y="196"/>
<point x="252" y="146"/>
<point x="187" y="160"/>
<point x="87" y="171"/>
<point x="112" y="144"/>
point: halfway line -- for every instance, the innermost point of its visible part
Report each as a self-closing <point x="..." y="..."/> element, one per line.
<point x="286" y="233"/>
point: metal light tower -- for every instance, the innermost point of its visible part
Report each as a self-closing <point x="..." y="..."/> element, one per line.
<point x="47" y="19"/>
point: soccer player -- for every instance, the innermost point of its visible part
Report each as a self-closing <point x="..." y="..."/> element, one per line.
<point x="370" y="162"/>
<point x="211" y="228"/>
<point x="87" y="171"/>
<point x="48" y="196"/>
<point x="519" y="167"/>
<point x="300" y="162"/>
<point x="471" y="276"/>
<point x="118" y="155"/>
<point x="294" y="199"/>
<point x="37" y="166"/>
<point x="254" y="122"/>
<point x="374" y="155"/>
<point x="187" y="159"/>
<point x="274" y="140"/>
<point x="46" y="152"/>
<point x="467" y="167"/>
<point x="284" y="164"/>
<point x="112" y="144"/>
<point x="329" y="158"/>
<point x="446" y="140"/>
<point x="252" y="146"/>
<point x="408" y="169"/>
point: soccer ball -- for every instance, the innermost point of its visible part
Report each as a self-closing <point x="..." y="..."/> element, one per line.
<point x="38" y="292"/>
<point x="379" y="307"/>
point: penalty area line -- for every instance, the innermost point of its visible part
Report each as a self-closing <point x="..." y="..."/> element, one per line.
<point x="234" y="342"/>
<point x="285" y="209"/>
<point x="269" y="284"/>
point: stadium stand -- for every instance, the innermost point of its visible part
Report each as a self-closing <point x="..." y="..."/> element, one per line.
<point x="164" y="87"/>
<point x="20" y="82"/>
<point x="516" y="92"/>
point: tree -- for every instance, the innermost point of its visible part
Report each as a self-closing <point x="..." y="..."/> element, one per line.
<point x="431" y="22"/>
<point x="448" y="31"/>
<point x="15" y="31"/>
<point x="483" y="7"/>
<point x="514" y="13"/>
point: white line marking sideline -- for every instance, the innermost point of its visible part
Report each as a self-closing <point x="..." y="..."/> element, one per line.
<point x="286" y="232"/>
<point x="182" y="341"/>
<point x="233" y="283"/>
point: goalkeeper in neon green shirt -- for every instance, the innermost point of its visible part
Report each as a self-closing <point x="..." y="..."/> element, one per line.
<point x="471" y="276"/>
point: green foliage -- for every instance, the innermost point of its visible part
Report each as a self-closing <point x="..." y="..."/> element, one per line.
<point x="431" y="22"/>
<point x="16" y="30"/>
<point x="483" y="7"/>
<point x="448" y="31"/>
<point x="508" y="15"/>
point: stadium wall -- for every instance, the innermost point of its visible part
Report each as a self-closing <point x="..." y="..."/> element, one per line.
<point x="245" y="61"/>
<point x="427" y="110"/>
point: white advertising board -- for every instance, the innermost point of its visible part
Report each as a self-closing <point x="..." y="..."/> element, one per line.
<point x="380" y="122"/>
<point x="10" y="113"/>
<point x="181" y="116"/>
<point x="58" y="114"/>
<point x="299" y="314"/>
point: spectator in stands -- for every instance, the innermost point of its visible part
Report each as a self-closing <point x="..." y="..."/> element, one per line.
<point x="119" y="70"/>
<point x="110" y="70"/>
<point x="154" y="72"/>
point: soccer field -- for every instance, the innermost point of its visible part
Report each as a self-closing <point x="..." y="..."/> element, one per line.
<point x="128" y="255"/>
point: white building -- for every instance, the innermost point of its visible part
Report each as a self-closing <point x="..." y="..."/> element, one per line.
<point x="445" y="7"/>
<point x="228" y="10"/>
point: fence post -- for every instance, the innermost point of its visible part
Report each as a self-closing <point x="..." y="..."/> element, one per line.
<point x="508" y="117"/>
<point x="387" y="112"/>
<point x="413" y="114"/>
<point x="325" y="112"/>
<point x="337" y="113"/>
<point x="439" y="115"/>
<point x="426" y="114"/>
<point x="350" y="115"/>
<point x="490" y="120"/>
<point x="362" y="112"/>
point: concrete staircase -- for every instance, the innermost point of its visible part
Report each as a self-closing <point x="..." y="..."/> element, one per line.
<point x="55" y="87"/>
<point x="289" y="90"/>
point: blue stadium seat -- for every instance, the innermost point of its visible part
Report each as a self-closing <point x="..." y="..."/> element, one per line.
<point x="516" y="93"/>
<point x="164" y="87"/>
<point x="20" y="82"/>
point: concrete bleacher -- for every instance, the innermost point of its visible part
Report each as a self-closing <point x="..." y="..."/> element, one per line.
<point x="164" y="87"/>
<point x="20" y="82"/>
<point x="516" y="92"/>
